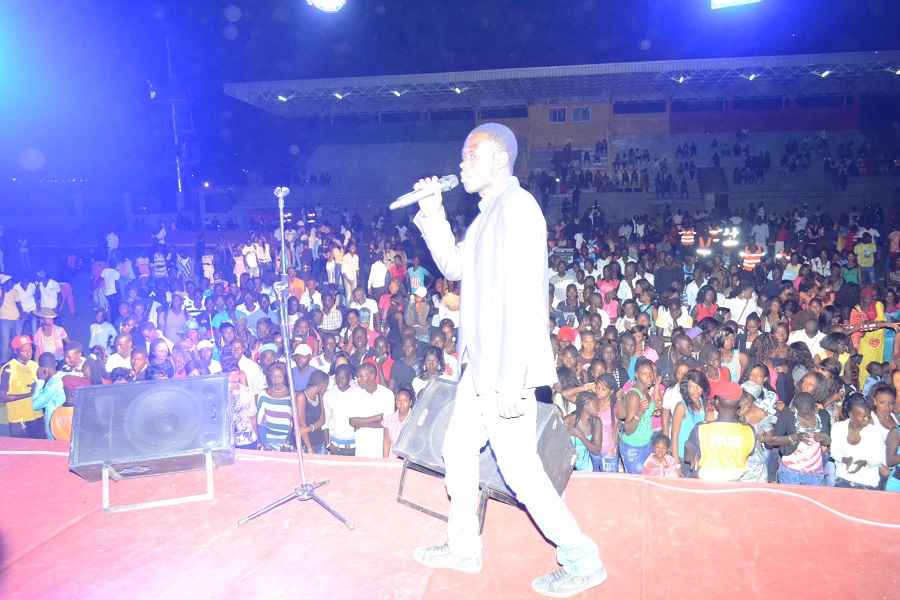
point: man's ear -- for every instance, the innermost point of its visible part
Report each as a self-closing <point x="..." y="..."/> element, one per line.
<point x="501" y="159"/>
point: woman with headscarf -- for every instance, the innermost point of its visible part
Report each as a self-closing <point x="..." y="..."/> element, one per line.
<point x="866" y="329"/>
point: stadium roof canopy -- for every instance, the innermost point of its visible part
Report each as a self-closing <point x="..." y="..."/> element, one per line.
<point x="855" y="73"/>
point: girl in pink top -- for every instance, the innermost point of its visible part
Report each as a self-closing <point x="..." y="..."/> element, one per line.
<point x="660" y="463"/>
<point x="393" y="423"/>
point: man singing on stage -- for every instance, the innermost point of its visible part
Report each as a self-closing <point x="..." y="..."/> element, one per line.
<point x="504" y="338"/>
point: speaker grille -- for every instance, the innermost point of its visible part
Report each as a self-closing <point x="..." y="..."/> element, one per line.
<point x="435" y="416"/>
<point x="161" y="426"/>
<point x="161" y="420"/>
<point x="422" y="439"/>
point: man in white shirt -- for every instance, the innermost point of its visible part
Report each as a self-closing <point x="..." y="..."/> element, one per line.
<point x="110" y="277"/>
<point x="743" y="304"/>
<point x="871" y="231"/>
<point x="691" y="289"/>
<point x="760" y="232"/>
<point x="808" y="333"/>
<point x="26" y="290"/>
<point x="629" y="280"/>
<point x="671" y="316"/>
<point x="49" y="290"/>
<point x="339" y="434"/>
<point x="205" y="352"/>
<point x="250" y="368"/>
<point x="370" y="403"/>
<point x="377" y="283"/>
<point x="350" y="270"/>
<point x="641" y="272"/>
<point x="360" y="301"/>
<point x="248" y="251"/>
<point x="561" y="281"/>
<point x="122" y="356"/>
<point x="322" y="362"/>
<point x="112" y="244"/>
<point x="263" y="255"/>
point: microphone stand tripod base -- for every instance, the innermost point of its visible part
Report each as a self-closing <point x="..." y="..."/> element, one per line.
<point x="305" y="490"/>
<point x="302" y="493"/>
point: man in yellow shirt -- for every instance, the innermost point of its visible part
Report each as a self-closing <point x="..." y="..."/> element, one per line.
<point x="865" y="256"/>
<point x="718" y="450"/>
<point x="17" y="379"/>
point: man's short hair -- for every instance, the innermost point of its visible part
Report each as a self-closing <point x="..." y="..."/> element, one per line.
<point x="367" y="366"/>
<point x="75" y="345"/>
<point x="46" y="360"/>
<point x="503" y="137"/>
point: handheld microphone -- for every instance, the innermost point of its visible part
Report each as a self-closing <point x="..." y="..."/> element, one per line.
<point x="448" y="182"/>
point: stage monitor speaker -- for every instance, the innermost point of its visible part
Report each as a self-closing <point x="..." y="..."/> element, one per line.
<point x="152" y="427"/>
<point x="422" y="437"/>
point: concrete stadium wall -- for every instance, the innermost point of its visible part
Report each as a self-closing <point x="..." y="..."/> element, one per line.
<point x="604" y="123"/>
<point x="787" y="119"/>
<point x="582" y="133"/>
<point x="640" y="124"/>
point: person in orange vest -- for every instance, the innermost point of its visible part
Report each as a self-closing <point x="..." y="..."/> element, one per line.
<point x="704" y="243"/>
<point x="715" y="232"/>
<point x="687" y="237"/>
<point x="752" y="255"/>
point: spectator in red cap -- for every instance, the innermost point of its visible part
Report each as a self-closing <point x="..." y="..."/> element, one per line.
<point x="17" y="379"/>
<point x="718" y="450"/>
<point x="568" y="334"/>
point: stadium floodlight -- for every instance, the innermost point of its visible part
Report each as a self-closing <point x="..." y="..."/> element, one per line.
<point x="727" y="3"/>
<point x="327" y="5"/>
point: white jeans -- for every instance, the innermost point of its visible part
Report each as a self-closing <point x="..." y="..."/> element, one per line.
<point x="475" y="420"/>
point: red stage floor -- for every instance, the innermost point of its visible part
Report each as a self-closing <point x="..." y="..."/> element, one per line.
<point x="659" y="539"/>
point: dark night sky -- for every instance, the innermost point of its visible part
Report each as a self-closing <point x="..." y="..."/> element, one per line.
<point x="74" y="73"/>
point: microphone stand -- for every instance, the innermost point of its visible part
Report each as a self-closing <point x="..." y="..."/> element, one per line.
<point x="306" y="490"/>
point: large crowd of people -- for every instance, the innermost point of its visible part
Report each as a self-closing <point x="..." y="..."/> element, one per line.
<point x="672" y="333"/>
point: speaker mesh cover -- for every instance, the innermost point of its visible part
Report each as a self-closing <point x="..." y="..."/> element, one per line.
<point x="423" y="436"/>
<point x="151" y="427"/>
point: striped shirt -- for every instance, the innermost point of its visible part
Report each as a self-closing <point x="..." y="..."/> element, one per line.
<point x="274" y="418"/>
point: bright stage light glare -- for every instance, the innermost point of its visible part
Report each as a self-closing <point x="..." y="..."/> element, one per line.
<point x="752" y="77"/>
<point x="396" y="93"/>
<point x="826" y="73"/>
<point x="338" y="96"/>
<point x="282" y="98"/>
<point x="726" y="3"/>
<point x="327" y="5"/>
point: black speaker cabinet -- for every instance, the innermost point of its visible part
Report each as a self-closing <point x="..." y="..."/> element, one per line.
<point x="422" y="437"/>
<point x="152" y="427"/>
